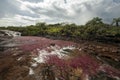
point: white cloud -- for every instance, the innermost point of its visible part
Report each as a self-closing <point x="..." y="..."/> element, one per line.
<point x="53" y="11"/>
<point x="17" y="20"/>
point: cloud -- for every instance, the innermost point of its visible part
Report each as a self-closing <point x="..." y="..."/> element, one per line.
<point x="8" y="8"/>
<point x="35" y="1"/>
<point x="17" y="20"/>
<point x="54" y="11"/>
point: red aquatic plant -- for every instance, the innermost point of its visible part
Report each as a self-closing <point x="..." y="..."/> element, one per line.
<point x="55" y="60"/>
<point x="33" y="43"/>
<point x="86" y="63"/>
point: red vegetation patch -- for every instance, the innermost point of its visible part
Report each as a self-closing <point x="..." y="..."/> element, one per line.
<point x="86" y="63"/>
<point x="33" y="43"/>
<point x="55" y="60"/>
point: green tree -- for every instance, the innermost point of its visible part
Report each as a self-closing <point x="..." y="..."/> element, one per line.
<point x="94" y="21"/>
<point x="42" y="28"/>
<point x="116" y="21"/>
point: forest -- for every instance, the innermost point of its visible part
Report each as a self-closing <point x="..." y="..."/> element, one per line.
<point x="94" y="29"/>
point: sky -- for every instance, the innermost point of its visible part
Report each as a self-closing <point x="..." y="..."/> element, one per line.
<point x="28" y="12"/>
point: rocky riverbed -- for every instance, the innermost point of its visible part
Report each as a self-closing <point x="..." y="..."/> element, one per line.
<point x="38" y="58"/>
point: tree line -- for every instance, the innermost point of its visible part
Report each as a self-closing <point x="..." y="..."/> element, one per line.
<point x="93" y="29"/>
